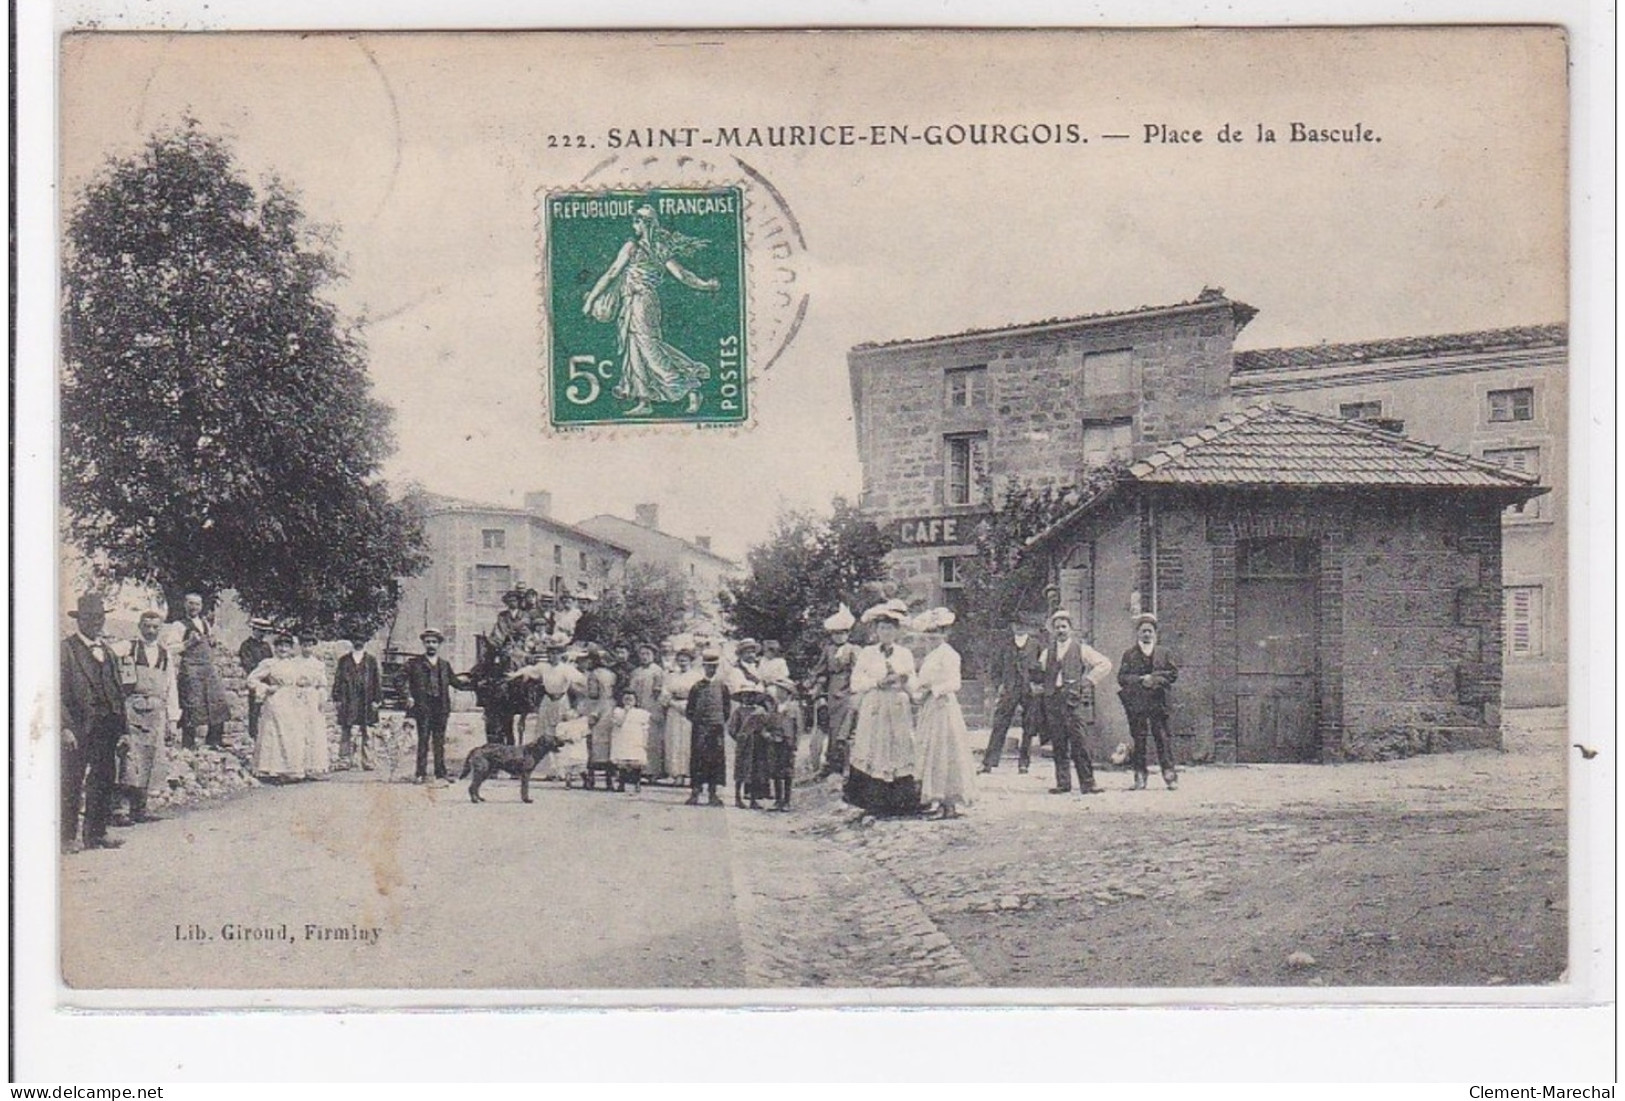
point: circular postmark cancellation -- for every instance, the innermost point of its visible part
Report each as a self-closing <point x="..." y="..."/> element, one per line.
<point x="668" y="286"/>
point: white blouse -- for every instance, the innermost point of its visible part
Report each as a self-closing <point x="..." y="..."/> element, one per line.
<point x="872" y="666"/>
<point x="939" y="672"/>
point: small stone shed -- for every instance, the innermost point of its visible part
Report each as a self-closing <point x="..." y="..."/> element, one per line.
<point x="1330" y="591"/>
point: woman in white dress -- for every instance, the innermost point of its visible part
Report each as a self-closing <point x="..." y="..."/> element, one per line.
<point x="883" y="773"/>
<point x="281" y="752"/>
<point x="944" y="743"/>
<point x="674" y="694"/>
<point x="312" y="684"/>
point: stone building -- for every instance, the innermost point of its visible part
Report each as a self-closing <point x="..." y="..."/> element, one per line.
<point x="1330" y="591"/>
<point x="701" y="568"/>
<point x="1500" y="395"/>
<point x="480" y="551"/>
<point x="945" y="423"/>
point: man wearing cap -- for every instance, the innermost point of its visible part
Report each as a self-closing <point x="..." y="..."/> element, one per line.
<point x="1017" y="668"/>
<point x="426" y="684"/>
<point x="1143" y="679"/>
<point x="831" y="678"/>
<point x="203" y="698"/>
<point x="255" y="649"/>
<point x="92" y="725"/>
<point x="151" y="704"/>
<point x="709" y="705"/>
<point x="1072" y="671"/>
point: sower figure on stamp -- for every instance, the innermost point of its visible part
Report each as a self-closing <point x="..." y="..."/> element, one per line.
<point x="151" y="705"/>
<point x="1017" y="669"/>
<point x="203" y="698"/>
<point x="1072" y="671"/>
<point x="629" y="293"/>
<point x="358" y="689"/>
<point x="1143" y="681"/>
<point x="92" y="724"/>
<point x="426" y="682"/>
<point x="255" y="649"/>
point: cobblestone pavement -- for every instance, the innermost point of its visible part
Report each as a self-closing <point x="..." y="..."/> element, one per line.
<point x="1447" y="870"/>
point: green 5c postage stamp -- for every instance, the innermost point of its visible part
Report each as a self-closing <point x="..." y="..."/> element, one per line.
<point x="646" y="299"/>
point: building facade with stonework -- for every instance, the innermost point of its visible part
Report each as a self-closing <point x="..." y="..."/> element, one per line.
<point x="945" y="423"/>
<point x="479" y="551"/>
<point x="1500" y="395"/>
<point x="1329" y="591"/>
<point x="701" y="569"/>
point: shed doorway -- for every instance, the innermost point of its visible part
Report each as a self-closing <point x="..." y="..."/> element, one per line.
<point x="1276" y="635"/>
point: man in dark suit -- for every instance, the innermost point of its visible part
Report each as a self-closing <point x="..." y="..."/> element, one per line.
<point x="255" y="649"/>
<point x="92" y="724"/>
<point x="358" y="689"/>
<point x="1016" y="670"/>
<point x="1072" y="671"/>
<point x="1143" y="680"/>
<point x="426" y="684"/>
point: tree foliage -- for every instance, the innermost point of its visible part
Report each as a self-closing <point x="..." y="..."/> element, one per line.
<point x="1004" y="581"/>
<point x="650" y="604"/>
<point x="218" y="425"/>
<point x="808" y="566"/>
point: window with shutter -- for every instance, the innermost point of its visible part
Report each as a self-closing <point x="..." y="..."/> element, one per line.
<point x="1525" y="460"/>
<point x="1525" y="627"/>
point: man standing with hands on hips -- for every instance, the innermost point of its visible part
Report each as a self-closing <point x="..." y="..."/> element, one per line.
<point x="1072" y="671"/>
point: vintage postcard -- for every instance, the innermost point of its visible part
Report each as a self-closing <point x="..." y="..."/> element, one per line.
<point x="885" y="517"/>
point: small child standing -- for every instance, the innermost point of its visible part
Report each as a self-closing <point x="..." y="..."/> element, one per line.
<point x="629" y="741"/>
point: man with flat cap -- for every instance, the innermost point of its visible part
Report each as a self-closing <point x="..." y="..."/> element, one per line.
<point x="1072" y="671"/>
<point x="1143" y="679"/>
<point x="92" y="725"/>
<point x="426" y="684"/>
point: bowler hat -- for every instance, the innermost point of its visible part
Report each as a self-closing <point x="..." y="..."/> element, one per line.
<point x="90" y="604"/>
<point x="432" y="633"/>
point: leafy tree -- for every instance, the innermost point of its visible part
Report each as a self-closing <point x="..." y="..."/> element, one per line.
<point x="649" y="604"/>
<point x="808" y="566"/>
<point x="1002" y="580"/>
<point x="218" y="424"/>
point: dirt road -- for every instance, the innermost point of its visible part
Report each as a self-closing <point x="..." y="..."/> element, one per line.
<point x="1433" y="871"/>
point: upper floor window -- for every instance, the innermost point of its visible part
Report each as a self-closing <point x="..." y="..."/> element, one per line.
<point x="1512" y="405"/>
<point x="1109" y="372"/>
<point x="494" y="539"/>
<point x="583" y="563"/>
<point x="558" y="554"/>
<point x="1107" y="439"/>
<point x="967" y="476"/>
<point x="965" y="387"/>
<point x="1525" y="460"/>
<point x="1360" y="410"/>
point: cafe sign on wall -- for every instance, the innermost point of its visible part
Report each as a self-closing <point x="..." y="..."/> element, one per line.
<point x="938" y="531"/>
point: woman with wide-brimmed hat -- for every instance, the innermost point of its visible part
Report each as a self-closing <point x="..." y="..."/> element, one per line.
<point x="944" y="743"/>
<point x="883" y="773"/>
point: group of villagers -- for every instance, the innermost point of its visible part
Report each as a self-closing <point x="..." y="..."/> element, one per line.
<point x="891" y="725"/>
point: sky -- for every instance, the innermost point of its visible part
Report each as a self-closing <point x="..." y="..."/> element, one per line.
<point x="427" y="153"/>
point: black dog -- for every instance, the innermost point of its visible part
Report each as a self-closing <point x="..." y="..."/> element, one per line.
<point x="517" y="761"/>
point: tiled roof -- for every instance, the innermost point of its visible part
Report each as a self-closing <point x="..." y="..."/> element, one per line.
<point x="1209" y="296"/>
<point x="1405" y="347"/>
<point x="1279" y="446"/>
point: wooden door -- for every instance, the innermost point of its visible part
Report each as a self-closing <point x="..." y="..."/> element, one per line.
<point x="1276" y="685"/>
